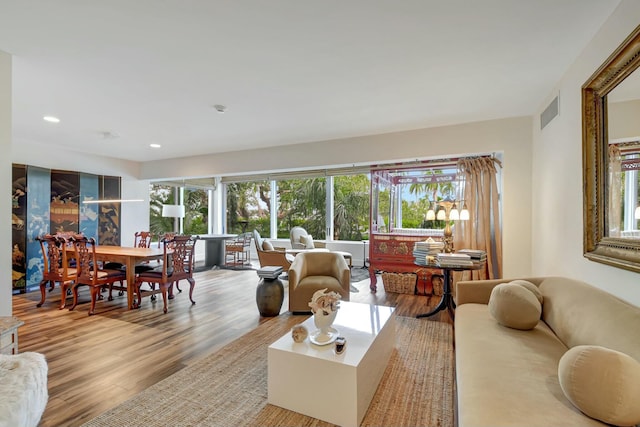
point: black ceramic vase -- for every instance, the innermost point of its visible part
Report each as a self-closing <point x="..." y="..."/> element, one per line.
<point x="269" y="297"/>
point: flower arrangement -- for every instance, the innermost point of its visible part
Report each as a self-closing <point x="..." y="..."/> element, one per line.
<point x="327" y="302"/>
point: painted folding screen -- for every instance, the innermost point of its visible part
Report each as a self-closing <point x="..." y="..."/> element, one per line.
<point x="38" y="220"/>
<point x="109" y="219"/>
<point x="18" y="228"/>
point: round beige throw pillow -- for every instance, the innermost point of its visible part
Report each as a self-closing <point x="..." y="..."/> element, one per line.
<point x="514" y="306"/>
<point x="533" y="288"/>
<point x="602" y="383"/>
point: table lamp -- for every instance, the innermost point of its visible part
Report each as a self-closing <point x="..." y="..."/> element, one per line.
<point x="173" y="211"/>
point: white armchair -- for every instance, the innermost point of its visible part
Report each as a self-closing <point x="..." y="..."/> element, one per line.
<point x="300" y="239"/>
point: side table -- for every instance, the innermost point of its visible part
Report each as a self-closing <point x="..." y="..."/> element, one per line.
<point x="270" y="291"/>
<point x="9" y="334"/>
<point x="447" y="302"/>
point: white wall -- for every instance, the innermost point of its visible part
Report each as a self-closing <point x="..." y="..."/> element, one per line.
<point x="511" y="136"/>
<point x="5" y="184"/>
<point x="623" y="119"/>
<point x="557" y="171"/>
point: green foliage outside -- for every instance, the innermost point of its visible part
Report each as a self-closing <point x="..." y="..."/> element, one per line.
<point x="301" y="202"/>
<point x="196" y="210"/>
<point x="248" y="207"/>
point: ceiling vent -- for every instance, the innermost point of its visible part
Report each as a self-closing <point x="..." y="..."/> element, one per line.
<point x="549" y="113"/>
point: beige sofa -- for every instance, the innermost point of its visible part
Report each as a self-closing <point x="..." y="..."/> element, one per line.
<point x="509" y="377"/>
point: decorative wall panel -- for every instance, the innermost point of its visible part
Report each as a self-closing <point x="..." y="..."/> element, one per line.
<point x="18" y="229"/>
<point x="109" y="220"/>
<point x="38" y="200"/>
<point x="65" y="194"/>
<point x="89" y="190"/>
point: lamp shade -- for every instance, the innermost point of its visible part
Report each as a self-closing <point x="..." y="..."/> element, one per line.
<point x="173" y="211"/>
<point x="464" y="214"/>
<point x="441" y="215"/>
<point x="431" y="215"/>
<point x="454" y="215"/>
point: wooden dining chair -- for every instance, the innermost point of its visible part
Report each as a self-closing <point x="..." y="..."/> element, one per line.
<point x="56" y="267"/>
<point x="90" y="273"/>
<point x="142" y="239"/>
<point x="177" y="264"/>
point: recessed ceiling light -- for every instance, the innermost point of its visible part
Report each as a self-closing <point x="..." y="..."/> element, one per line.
<point x="51" y="119"/>
<point x="220" y="108"/>
<point x="155" y="145"/>
<point x="109" y="135"/>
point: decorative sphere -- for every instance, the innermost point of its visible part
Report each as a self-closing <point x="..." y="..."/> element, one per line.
<point x="299" y="333"/>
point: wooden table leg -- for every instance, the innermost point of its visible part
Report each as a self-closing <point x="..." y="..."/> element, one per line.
<point x="131" y="280"/>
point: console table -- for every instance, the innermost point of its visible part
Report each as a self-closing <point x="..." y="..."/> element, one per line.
<point x="9" y="334"/>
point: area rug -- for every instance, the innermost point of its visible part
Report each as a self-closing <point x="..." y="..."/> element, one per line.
<point x="229" y="387"/>
<point x="359" y="274"/>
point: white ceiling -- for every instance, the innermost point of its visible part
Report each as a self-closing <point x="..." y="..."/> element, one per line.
<point x="289" y="71"/>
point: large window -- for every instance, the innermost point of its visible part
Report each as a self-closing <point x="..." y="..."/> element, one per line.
<point x="304" y="202"/>
<point x="196" y="207"/>
<point x="351" y="207"/>
<point x="195" y="201"/>
<point x="248" y="207"/>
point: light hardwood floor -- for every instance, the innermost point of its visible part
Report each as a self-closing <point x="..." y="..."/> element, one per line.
<point x="97" y="362"/>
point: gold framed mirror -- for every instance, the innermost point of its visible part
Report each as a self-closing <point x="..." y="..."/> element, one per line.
<point x="599" y="244"/>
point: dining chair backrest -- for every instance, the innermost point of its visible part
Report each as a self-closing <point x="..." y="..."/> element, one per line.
<point x="86" y="259"/>
<point x="142" y="239"/>
<point x="167" y="238"/>
<point x="56" y="263"/>
<point x="178" y="257"/>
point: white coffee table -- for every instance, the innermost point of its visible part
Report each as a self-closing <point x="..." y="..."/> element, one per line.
<point x="314" y="381"/>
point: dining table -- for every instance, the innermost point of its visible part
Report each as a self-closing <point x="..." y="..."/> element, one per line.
<point x="129" y="257"/>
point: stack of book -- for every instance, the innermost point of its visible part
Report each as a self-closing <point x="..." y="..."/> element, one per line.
<point x="454" y="260"/>
<point x="476" y="255"/>
<point x="421" y="250"/>
<point x="270" y="272"/>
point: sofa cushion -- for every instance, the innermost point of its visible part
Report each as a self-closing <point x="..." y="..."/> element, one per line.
<point x="514" y="306"/>
<point x="307" y="241"/>
<point x="266" y="245"/>
<point x="533" y="288"/>
<point x="602" y="383"/>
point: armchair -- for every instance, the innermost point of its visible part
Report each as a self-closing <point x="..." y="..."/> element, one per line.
<point x="312" y="271"/>
<point x="268" y="255"/>
<point x="300" y="239"/>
